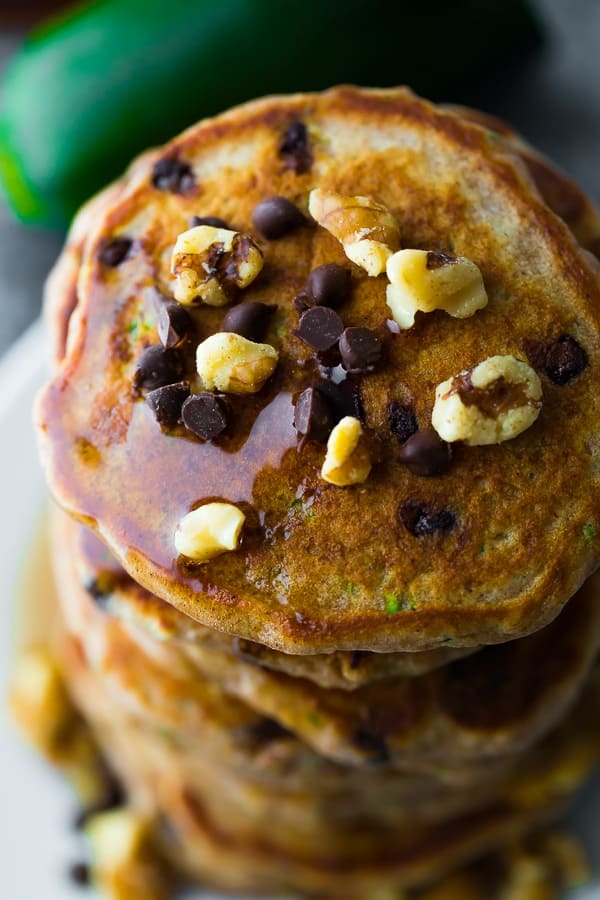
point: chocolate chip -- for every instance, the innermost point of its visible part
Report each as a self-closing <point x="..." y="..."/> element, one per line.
<point x="320" y="327"/>
<point x="402" y="420"/>
<point x="80" y="874"/>
<point x="565" y="360"/>
<point x="172" y="174"/>
<point x="372" y="744"/>
<point x="173" y="324"/>
<point x="420" y="521"/>
<point x="562" y="360"/>
<point x="437" y="258"/>
<point x="328" y="285"/>
<point x="256" y="735"/>
<point x="425" y="453"/>
<point x="100" y="588"/>
<point x="356" y="659"/>
<point x="157" y="367"/>
<point x="344" y="399"/>
<point x="212" y="221"/>
<point x="166" y="402"/>
<point x="275" y="217"/>
<point x="115" y="252"/>
<point x="313" y="417"/>
<point x="537" y="352"/>
<point x="205" y="415"/>
<point x="302" y="302"/>
<point x="113" y="798"/>
<point x="248" y="319"/>
<point x="361" y="349"/>
<point x="294" y="148"/>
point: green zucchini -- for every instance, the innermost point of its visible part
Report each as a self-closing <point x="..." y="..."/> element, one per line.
<point x="101" y="82"/>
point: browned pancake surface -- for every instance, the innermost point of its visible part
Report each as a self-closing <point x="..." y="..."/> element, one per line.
<point x="315" y="575"/>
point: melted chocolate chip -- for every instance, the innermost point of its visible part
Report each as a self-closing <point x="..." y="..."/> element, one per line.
<point x="425" y="453"/>
<point x="561" y="361"/>
<point x="295" y="150"/>
<point x="420" y="520"/>
<point x="172" y="174"/>
<point x="248" y="319"/>
<point x="372" y="744"/>
<point x="275" y="217"/>
<point x="437" y="258"/>
<point x="212" y="221"/>
<point x="157" y="367"/>
<point x="166" y="402"/>
<point x="361" y="350"/>
<point x="344" y="398"/>
<point x="320" y="327"/>
<point x="313" y="417"/>
<point x="328" y="285"/>
<point x="402" y="420"/>
<point x="173" y="324"/>
<point x="115" y="252"/>
<point x="80" y="874"/>
<point x="205" y="415"/>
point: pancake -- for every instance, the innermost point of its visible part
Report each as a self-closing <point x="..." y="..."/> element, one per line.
<point x="165" y="692"/>
<point x="496" y="703"/>
<point x="226" y="830"/>
<point x="119" y="595"/>
<point x="317" y="562"/>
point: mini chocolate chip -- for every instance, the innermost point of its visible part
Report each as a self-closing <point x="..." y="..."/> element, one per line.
<point x="361" y="349"/>
<point x="80" y="874"/>
<point x="402" y="420"/>
<point x="425" y="453"/>
<point x="115" y="252"/>
<point x="373" y="744"/>
<point x="172" y="174"/>
<point x="565" y="360"/>
<point x="328" y="285"/>
<point x="256" y="735"/>
<point x="173" y="324"/>
<point x="294" y="148"/>
<point x="437" y="258"/>
<point x="344" y="398"/>
<point x="157" y="367"/>
<point x="205" y="415"/>
<point x="248" y="319"/>
<point x="356" y="659"/>
<point x="113" y="798"/>
<point x="561" y="360"/>
<point x="275" y="217"/>
<point x="100" y="588"/>
<point x="212" y="221"/>
<point x="166" y="402"/>
<point x="420" y="521"/>
<point x="313" y="417"/>
<point x="320" y="327"/>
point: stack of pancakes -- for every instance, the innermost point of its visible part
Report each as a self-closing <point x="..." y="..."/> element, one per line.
<point x="354" y="702"/>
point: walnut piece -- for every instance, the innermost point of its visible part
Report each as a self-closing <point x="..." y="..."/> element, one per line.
<point x="367" y="231"/>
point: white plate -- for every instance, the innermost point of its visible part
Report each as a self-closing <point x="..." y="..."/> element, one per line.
<point x="36" y="842"/>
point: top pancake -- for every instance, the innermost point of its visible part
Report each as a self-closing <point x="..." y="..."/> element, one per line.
<point x="318" y="563"/>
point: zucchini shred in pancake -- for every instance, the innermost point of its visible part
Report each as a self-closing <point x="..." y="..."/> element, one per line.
<point x="381" y="679"/>
<point x="310" y="583"/>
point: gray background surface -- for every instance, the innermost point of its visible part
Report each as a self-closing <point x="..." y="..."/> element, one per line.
<point x="554" y="100"/>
